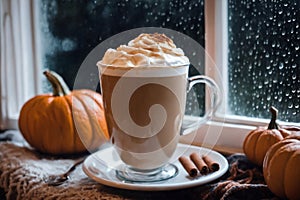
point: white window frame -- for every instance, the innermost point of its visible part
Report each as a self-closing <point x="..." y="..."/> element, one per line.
<point x="217" y="48"/>
<point x="224" y="132"/>
<point x="20" y="68"/>
<point x="21" y="78"/>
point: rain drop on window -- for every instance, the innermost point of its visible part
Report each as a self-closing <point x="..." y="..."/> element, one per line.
<point x="273" y="54"/>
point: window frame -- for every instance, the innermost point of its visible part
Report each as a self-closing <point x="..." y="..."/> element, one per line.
<point x="20" y="78"/>
<point x="217" y="48"/>
<point x="224" y="132"/>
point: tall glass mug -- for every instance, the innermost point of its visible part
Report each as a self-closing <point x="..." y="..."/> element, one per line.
<point x="144" y="109"/>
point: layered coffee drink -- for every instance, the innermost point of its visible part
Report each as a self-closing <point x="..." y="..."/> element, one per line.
<point x="144" y="93"/>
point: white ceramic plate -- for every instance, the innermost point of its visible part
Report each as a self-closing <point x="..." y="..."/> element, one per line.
<point x="101" y="165"/>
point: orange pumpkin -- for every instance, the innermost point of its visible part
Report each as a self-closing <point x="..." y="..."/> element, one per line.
<point x="258" y="141"/>
<point x="281" y="167"/>
<point x="64" y="122"/>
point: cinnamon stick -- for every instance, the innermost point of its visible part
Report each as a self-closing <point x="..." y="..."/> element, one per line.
<point x="189" y="166"/>
<point x="212" y="165"/>
<point x="199" y="162"/>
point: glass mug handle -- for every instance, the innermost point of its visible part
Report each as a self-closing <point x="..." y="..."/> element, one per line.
<point x="192" y="123"/>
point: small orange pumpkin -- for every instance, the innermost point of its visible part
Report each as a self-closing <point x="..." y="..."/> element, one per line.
<point x="65" y="122"/>
<point x="281" y="167"/>
<point x="258" y="141"/>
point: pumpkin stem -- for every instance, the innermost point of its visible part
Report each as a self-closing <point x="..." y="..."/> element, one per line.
<point x="59" y="86"/>
<point x="273" y="124"/>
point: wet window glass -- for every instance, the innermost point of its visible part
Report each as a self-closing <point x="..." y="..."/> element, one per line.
<point x="264" y="61"/>
<point x="70" y="29"/>
<point x="263" y="44"/>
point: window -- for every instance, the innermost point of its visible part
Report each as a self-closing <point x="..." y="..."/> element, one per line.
<point x="255" y="48"/>
<point x="60" y="34"/>
<point x="264" y="58"/>
<point x="71" y="29"/>
<point x="255" y="45"/>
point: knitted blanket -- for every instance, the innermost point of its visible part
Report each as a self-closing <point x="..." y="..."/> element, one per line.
<point x="23" y="171"/>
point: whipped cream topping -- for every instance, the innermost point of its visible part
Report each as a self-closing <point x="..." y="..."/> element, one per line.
<point x="153" y="50"/>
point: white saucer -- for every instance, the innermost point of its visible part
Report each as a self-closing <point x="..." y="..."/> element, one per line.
<point x="101" y="165"/>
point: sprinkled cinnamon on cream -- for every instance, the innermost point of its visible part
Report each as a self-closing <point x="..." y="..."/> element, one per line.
<point x="147" y="50"/>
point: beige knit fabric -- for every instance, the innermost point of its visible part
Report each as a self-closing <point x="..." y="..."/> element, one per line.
<point x="23" y="171"/>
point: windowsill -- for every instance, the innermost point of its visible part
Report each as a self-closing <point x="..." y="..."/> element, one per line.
<point x="223" y="137"/>
<point x="11" y="123"/>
